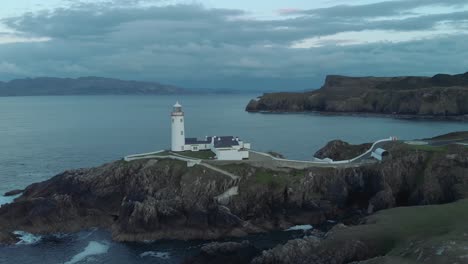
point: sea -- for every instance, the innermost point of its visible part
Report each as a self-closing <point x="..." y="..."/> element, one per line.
<point x="45" y="135"/>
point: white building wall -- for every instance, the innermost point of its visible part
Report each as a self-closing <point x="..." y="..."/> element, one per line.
<point x="228" y="154"/>
<point x="244" y="154"/>
<point x="197" y="147"/>
<point x="177" y="133"/>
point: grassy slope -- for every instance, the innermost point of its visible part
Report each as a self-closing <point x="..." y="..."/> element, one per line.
<point x="452" y="136"/>
<point x="202" y="154"/>
<point x="435" y="233"/>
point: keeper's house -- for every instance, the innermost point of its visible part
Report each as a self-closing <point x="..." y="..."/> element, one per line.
<point x="225" y="147"/>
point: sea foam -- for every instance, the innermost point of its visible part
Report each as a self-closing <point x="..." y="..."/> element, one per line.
<point x="27" y="238"/>
<point x="94" y="248"/>
<point x="7" y="199"/>
<point x="155" y="254"/>
<point x="299" y="227"/>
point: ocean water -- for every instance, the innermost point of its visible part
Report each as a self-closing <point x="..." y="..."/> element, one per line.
<point x="42" y="136"/>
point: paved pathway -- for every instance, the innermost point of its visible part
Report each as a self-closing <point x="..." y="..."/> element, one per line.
<point x="232" y="176"/>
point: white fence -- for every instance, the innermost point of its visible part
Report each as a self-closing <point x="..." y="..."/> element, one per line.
<point x="329" y="161"/>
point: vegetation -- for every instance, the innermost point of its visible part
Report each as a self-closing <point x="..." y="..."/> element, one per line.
<point x="452" y="136"/>
<point x="164" y="153"/>
<point x="271" y="178"/>
<point x="437" y="232"/>
<point x="420" y="96"/>
<point x="430" y="148"/>
<point x="202" y="154"/>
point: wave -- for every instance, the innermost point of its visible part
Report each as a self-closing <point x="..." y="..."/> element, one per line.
<point x="27" y="238"/>
<point x="156" y="254"/>
<point x="94" y="248"/>
<point x="299" y="227"/>
<point x="8" y="199"/>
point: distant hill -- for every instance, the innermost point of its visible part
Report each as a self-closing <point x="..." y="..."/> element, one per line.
<point x="442" y="95"/>
<point x="83" y="86"/>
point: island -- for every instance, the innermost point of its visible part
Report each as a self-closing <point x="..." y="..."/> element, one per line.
<point x="168" y="195"/>
<point x="442" y="96"/>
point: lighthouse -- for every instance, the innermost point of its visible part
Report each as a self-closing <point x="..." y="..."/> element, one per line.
<point x="178" y="128"/>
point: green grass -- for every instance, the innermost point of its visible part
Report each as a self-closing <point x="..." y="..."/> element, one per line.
<point x="202" y="154"/>
<point x="270" y="178"/>
<point x="452" y="136"/>
<point x="395" y="231"/>
<point x="430" y="148"/>
<point x="164" y="153"/>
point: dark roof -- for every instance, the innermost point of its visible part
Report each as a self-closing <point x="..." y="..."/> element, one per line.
<point x="225" y="142"/>
<point x="191" y="141"/>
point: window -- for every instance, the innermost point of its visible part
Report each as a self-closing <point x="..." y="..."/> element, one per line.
<point x="181" y="120"/>
<point x="181" y="133"/>
<point x="172" y="120"/>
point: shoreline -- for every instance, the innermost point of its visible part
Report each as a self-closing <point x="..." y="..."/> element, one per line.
<point x="462" y="118"/>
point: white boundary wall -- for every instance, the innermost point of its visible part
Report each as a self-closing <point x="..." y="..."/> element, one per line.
<point x="318" y="161"/>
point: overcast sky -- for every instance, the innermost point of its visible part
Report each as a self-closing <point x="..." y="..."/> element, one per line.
<point x="244" y="44"/>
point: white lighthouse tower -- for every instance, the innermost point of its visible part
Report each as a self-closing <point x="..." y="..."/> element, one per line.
<point x="178" y="128"/>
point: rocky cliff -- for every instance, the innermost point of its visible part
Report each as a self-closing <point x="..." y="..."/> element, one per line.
<point x="157" y="199"/>
<point x="340" y="150"/>
<point x="438" y="96"/>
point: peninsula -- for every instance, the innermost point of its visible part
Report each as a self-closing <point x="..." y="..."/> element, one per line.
<point x="167" y="196"/>
<point x="442" y="96"/>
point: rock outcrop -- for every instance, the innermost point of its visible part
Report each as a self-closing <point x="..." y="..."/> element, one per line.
<point x="422" y="234"/>
<point x="442" y="96"/>
<point x="7" y="238"/>
<point x="164" y="199"/>
<point x="226" y="253"/>
<point x="13" y="193"/>
<point x="340" y="150"/>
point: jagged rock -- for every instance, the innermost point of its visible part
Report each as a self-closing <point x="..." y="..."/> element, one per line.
<point x="382" y="200"/>
<point x="340" y="150"/>
<point x="442" y="96"/>
<point x="225" y="253"/>
<point x="13" y="192"/>
<point x="165" y="199"/>
<point x="7" y="238"/>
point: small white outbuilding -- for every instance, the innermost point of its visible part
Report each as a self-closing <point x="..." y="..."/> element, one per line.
<point x="379" y="154"/>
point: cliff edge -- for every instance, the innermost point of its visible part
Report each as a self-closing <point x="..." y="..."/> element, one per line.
<point x="440" y="96"/>
<point x="164" y="199"/>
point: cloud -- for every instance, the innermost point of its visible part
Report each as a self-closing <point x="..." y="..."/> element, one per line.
<point x="10" y="68"/>
<point x="289" y="11"/>
<point x="190" y="45"/>
<point x="385" y="8"/>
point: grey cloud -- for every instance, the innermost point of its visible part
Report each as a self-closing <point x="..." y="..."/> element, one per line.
<point x="379" y="9"/>
<point x="193" y="23"/>
<point x="197" y="47"/>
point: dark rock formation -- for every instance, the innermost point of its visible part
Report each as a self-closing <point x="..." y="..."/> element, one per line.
<point x="83" y="86"/>
<point x="225" y="253"/>
<point x="13" y="193"/>
<point x="400" y="235"/>
<point x="165" y="199"/>
<point x="340" y="150"/>
<point x="8" y="238"/>
<point x="276" y="154"/>
<point x="443" y="96"/>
